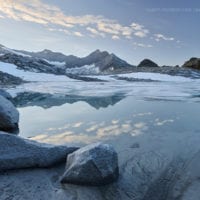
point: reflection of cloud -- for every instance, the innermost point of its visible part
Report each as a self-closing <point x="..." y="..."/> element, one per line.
<point x="77" y="125"/>
<point x="100" y="131"/>
<point x="139" y="128"/>
<point x="115" y="121"/>
<point x="158" y="122"/>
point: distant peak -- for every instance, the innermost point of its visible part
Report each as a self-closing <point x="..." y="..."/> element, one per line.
<point x="147" y="63"/>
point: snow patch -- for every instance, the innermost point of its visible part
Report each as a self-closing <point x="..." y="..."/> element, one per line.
<point x="155" y="77"/>
<point x="31" y="76"/>
<point x="56" y="63"/>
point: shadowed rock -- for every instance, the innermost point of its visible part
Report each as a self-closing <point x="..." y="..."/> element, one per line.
<point x="95" y="164"/>
<point x="5" y="95"/>
<point x="193" y="63"/>
<point x="9" y="116"/>
<point x="18" y="153"/>
<point x="147" y="63"/>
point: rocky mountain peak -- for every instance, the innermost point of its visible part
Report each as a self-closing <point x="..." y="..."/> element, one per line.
<point x="147" y="63"/>
<point x="193" y="63"/>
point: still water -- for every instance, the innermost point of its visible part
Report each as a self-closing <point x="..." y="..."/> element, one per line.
<point x="154" y="127"/>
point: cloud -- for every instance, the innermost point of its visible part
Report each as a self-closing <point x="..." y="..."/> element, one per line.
<point x="95" y="32"/>
<point x="49" y="15"/>
<point x="158" y="122"/>
<point x="159" y="37"/>
<point x="115" y="37"/>
<point x="78" y="34"/>
<point x="54" y="19"/>
<point x="141" y="34"/>
<point x="135" y="44"/>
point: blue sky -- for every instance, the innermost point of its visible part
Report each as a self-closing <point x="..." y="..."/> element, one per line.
<point x="165" y="31"/>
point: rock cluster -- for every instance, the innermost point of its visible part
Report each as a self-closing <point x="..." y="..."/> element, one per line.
<point x="95" y="164"/>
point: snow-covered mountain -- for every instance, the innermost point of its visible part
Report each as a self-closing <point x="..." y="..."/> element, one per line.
<point x="58" y="63"/>
<point x="96" y="63"/>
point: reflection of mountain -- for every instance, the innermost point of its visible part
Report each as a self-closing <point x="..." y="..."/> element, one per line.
<point x="48" y="100"/>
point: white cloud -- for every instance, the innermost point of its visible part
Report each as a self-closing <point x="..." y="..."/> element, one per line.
<point x="142" y="45"/>
<point x="52" y="16"/>
<point x="158" y="122"/>
<point x="95" y="32"/>
<point x="115" y="37"/>
<point x="159" y="37"/>
<point x="41" y="13"/>
<point x="78" y="34"/>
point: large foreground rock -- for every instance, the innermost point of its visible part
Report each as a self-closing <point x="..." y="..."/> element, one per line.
<point x="9" y="116"/>
<point x="17" y="153"/>
<point x="95" y="164"/>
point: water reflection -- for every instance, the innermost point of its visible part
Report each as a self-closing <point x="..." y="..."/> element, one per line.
<point x="43" y="100"/>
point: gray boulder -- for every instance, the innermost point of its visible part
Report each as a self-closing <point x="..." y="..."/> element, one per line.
<point x="9" y="116"/>
<point x="18" y="153"/>
<point x="95" y="164"/>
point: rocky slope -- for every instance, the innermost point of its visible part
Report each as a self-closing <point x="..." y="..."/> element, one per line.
<point x="193" y="63"/>
<point x="7" y="79"/>
<point x="43" y="61"/>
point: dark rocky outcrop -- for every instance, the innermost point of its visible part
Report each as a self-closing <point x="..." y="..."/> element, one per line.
<point x="193" y="63"/>
<point x="30" y="64"/>
<point x="9" y="116"/>
<point x="18" y="153"/>
<point x="95" y="164"/>
<point x="7" y="79"/>
<point x="147" y="63"/>
<point x="6" y="95"/>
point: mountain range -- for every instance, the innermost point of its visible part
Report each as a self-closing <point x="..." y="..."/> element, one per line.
<point x="98" y="62"/>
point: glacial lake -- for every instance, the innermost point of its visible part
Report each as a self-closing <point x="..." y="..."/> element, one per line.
<point x="154" y="126"/>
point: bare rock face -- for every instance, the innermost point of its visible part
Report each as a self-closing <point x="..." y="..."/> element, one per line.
<point x="147" y="63"/>
<point x="95" y="164"/>
<point x="9" y="116"/>
<point x="19" y="153"/>
<point x="193" y="63"/>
